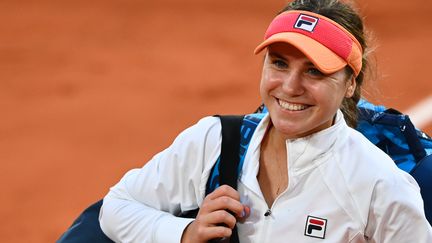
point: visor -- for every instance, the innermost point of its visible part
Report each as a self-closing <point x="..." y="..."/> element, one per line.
<point x="328" y="45"/>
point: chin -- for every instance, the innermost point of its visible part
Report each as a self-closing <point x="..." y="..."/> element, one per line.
<point x="289" y="129"/>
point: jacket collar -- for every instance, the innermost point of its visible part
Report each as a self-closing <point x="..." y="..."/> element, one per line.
<point x="304" y="153"/>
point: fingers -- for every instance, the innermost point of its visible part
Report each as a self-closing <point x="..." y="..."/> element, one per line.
<point x="224" y="197"/>
<point x="223" y="203"/>
<point x="217" y="216"/>
<point x="246" y="213"/>
<point x="196" y="233"/>
<point x="224" y="190"/>
<point x="215" y="233"/>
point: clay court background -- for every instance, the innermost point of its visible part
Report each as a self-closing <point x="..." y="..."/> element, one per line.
<point x="90" y="89"/>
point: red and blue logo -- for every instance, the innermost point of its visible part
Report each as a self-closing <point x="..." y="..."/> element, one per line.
<point x="306" y="22"/>
<point x="315" y="227"/>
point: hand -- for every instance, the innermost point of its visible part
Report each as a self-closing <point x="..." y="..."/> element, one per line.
<point x="217" y="216"/>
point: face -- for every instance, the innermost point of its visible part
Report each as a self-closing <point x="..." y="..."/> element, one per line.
<point x="301" y="100"/>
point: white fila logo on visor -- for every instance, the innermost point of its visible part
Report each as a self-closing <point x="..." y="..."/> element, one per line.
<point x="315" y="227"/>
<point x="306" y="22"/>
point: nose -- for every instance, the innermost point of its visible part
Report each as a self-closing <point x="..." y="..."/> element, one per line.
<point x="292" y="83"/>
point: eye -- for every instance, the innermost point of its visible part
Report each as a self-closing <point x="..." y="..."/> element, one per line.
<point x="315" y="72"/>
<point x="279" y="64"/>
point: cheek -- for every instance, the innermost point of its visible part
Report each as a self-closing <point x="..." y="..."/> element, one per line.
<point x="264" y="90"/>
<point x="336" y="100"/>
<point x="328" y="95"/>
<point x="264" y="82"/>
<point x="269" y="81"/>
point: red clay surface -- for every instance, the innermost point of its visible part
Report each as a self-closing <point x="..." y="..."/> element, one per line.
<point x="91" y="89"/>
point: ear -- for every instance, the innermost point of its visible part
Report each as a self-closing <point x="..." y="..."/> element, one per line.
<point x="351" y="86"/>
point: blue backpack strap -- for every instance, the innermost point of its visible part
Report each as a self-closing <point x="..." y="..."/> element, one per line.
<point x="230" y="147"/>
<point x="235" y="141"/>
<point x="237" y="132"/>
<point x="250" y="122"/>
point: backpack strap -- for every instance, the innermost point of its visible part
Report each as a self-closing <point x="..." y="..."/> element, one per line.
<point x="248" y="126"/>
<point x="230" y="148"/>
<point x="230" y="158"/>
<point x="225" y="170"/>
<point x="237" y="132"/>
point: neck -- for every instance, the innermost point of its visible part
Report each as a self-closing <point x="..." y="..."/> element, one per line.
<point x="273" y="171"/>
<point x="275" y="139"/>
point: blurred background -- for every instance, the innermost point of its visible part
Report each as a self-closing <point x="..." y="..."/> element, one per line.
<point x="91" y="89"/>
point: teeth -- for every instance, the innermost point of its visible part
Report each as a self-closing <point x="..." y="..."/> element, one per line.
<point x="291" y="107"/>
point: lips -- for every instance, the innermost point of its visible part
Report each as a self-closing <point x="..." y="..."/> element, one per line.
<point x="291" y="106"/>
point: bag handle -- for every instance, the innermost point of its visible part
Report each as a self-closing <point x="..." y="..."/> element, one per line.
<point x="230" y="148"/>
<point x="230" y="159"/>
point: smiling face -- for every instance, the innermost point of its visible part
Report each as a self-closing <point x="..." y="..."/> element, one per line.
<point x="301" y="100"/>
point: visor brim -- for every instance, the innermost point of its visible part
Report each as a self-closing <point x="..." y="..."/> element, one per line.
<point x="323" y="58"/>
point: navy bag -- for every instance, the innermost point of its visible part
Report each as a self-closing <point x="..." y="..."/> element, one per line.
<point x="86" y="227"/>
<point x="410" y="148"/>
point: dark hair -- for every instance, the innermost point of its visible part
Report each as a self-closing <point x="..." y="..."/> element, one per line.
<point x="345" y="15"/>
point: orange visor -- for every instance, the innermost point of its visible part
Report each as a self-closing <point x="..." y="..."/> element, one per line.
<point x="328" y="45"/>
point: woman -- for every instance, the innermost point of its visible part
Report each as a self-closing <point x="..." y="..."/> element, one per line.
<point x="307" y="175"/>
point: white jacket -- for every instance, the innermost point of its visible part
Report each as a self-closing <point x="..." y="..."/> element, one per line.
<point x="341" y="189"/>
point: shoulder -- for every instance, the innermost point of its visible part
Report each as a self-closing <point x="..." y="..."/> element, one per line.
<point x="372" y="179"/>
<point x="199" y="142"/>
<point x="368" y="157"/>
<point x="205" y="133"/>
<point x="204" y="126"/>
<point x="367" y="164"/>
<point x="373" y="173"/>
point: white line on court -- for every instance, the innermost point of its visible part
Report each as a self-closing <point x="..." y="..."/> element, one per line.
<point x="421" y="113"/>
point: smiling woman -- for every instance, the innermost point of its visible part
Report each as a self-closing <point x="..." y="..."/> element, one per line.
<point x="306" y="172"/>
<point x="296" y="92"/>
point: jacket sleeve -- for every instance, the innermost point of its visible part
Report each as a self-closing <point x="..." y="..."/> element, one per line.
<point x="397" y="214"/>
<point x="143" y="205"/>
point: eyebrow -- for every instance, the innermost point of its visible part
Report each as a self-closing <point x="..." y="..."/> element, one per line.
<point x="277" y="55"/>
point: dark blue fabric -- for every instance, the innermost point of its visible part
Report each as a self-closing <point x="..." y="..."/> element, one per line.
<point x="410" y="148"/>
<point x="86" y="228"/>
<point x="394" y="133"/>
<point x="423" y="175"/>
